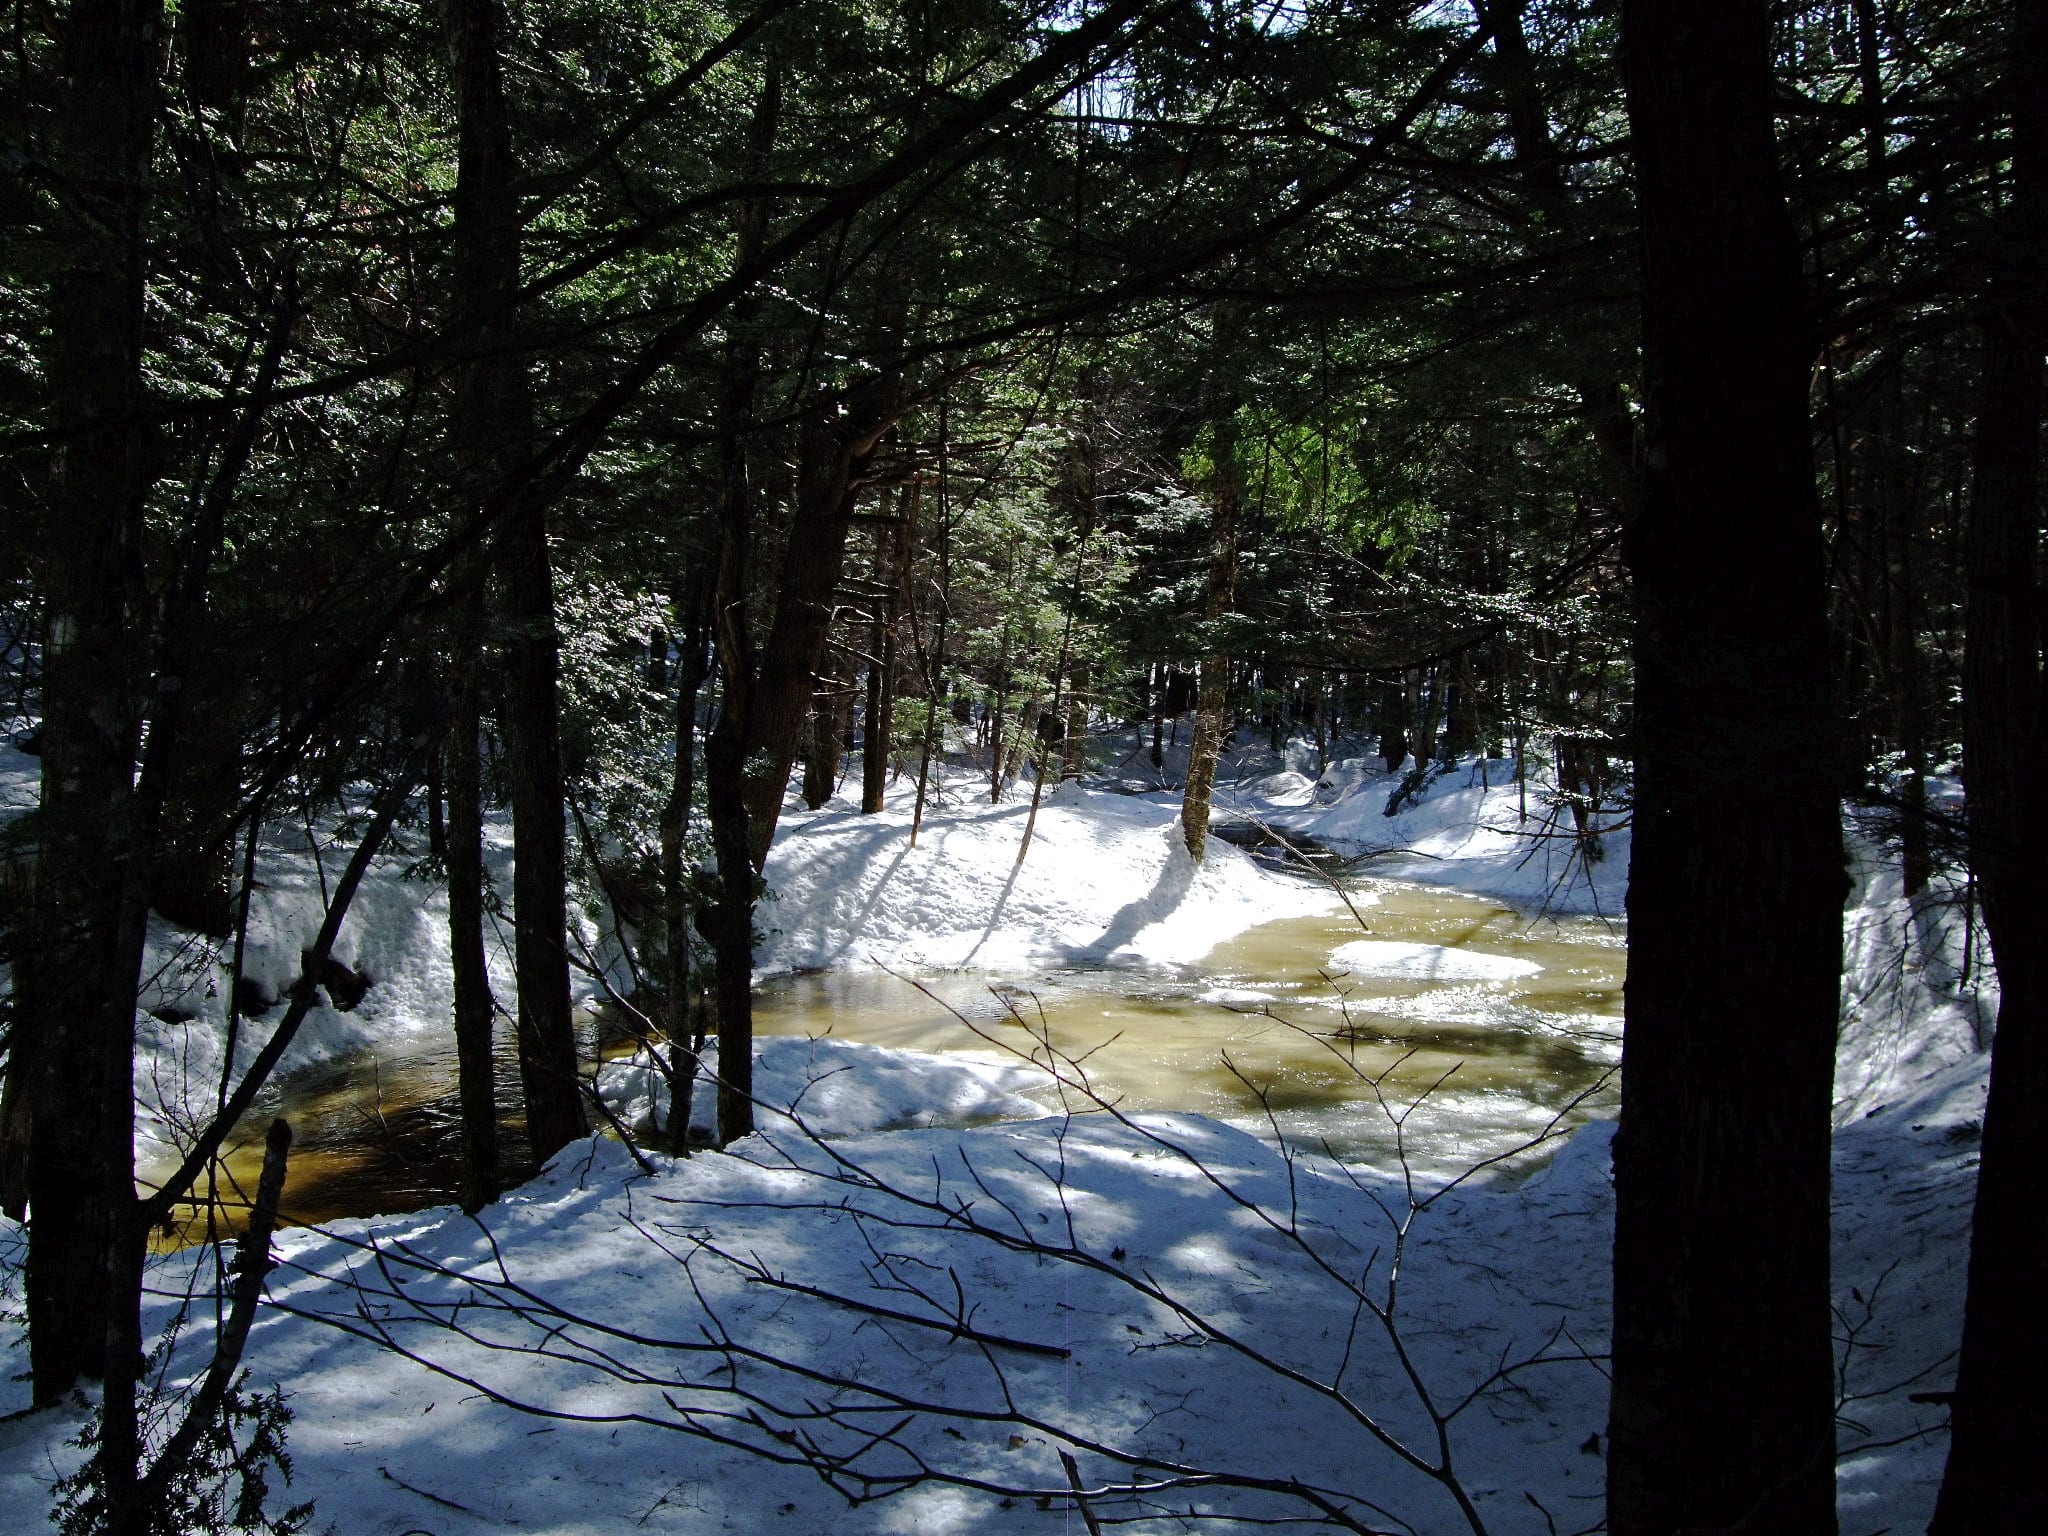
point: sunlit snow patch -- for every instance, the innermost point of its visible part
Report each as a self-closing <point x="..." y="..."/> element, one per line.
<point x="1427" y="962"/>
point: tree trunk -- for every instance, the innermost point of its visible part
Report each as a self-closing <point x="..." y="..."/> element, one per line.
<point x="475" y="1009"/>
<point x="1998" y="1422"/>
<point x="494" y="431"/>
<point x="75" y="978"/>
<point x="729" y="924"/>
<point x="833" y="457"/>
<point x="1074" y="746"/>
<point x="892" y="561"/>
<point x="695" y="666"/>
<point x="1722" y="1409"/>
<point x="1159" y="716"/>
<point x="1214" y="690"/>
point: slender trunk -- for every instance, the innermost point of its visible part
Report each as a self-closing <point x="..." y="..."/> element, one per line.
<point x="494" y="433"/>
<point x="475" y="1009"/>
<point x="1722" y="1413"/>
<point x="877" y="722"/>
<point x="729" y="924"/>
<point x="1159" y="715"/>
<point x="1059" y="681"/>
<point x="695" y="610"/>
<point x="1074" y="745"/>
<point x="935" y="671"/>
<point x="1992" y="1484"/>
<point x="1025" y="740"/>
<point x="1214" y="689"/>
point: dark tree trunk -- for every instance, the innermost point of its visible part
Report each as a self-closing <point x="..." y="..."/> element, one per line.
<point x="935" y="669"/>
<point x="694" y="667"/>
<point x="729" y="923"/>
<point x="1722" y="1413"/>
<point x="494" y="434"/>
<point x="892" y="560"/>
<point x="1213" y="692"/>
<point x="732" y="919"/>
<point x="76" y="977"/>
<point x="475" y="1009"/>
<point x="833" y="456"/>
<point x="1993" y="1484"/>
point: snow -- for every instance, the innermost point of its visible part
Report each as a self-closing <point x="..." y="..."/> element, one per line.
<point x="1427" y="962"/>
<point x="396" y="934"/>
<point x="836" y="1088"/>
<point x="857" y="1260"/>
<point x="1107" y="878"/>
<point x="1476" y="828"/>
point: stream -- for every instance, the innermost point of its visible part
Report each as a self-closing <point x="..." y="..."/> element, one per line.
<point x="1452" y="1030"/>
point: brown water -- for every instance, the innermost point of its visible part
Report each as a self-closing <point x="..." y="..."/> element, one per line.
<point x="1263" y="1032"/>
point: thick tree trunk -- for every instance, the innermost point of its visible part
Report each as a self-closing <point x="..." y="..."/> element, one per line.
<point x="1722" y="1412"/>
<point x="76" y="977"/>
<point x="493" y="432"/>
<point x="1992" y="1484"/>
<point x="833" y="456"/>
<point x="823" y="744"/>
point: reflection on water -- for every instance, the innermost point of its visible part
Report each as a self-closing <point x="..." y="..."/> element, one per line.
<point x="1265" y="1032"/>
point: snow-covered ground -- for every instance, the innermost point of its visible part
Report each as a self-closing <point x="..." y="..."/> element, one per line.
<point x="1158" y="1292"/>
<point x="1106" y="877"/>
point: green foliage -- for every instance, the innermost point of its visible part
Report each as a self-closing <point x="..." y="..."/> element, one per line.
<point x="221" y="1489"/>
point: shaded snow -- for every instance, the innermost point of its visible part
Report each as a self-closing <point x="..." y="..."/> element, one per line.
<point x="927" y="1222"/>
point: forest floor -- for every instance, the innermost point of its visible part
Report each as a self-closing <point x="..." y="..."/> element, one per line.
<point x="609" y="1349"/>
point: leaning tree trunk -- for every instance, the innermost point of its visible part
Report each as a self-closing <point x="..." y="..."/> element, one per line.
<point x="1213" y="692"/>
<point x="493" y="430"/>
<point x="833" y="459"/>
<point x="1722" y="1409"/>
<point x="1992" y="1484"/>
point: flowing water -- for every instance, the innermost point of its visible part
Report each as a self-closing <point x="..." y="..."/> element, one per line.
<point x="1269" y="1032"/>
<point x="1465" y="1029"/>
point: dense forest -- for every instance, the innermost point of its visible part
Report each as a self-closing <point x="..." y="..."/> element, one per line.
<point x="626" y="414"/>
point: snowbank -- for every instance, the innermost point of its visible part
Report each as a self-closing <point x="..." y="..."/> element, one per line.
<point x="1472" y="826"/>
<point x="1106" y="879"/>
<point x="835" y="1088"/>
<point x="1163" y="1286"/>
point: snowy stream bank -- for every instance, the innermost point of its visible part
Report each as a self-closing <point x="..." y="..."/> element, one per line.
<point x="1159" y="1287"/>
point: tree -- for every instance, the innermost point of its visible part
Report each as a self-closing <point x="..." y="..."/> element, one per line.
<point x="80" y="966"/>
<point x="1723" y="1412"/>
<point x="1998" y="1422"/>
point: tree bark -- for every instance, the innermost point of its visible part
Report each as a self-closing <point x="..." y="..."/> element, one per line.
<point x="494" y="435"/>
<point x="729" y="924"/>
<point x="1213" y="692"/>
<point x="475" y="1009"/>
<point x="1722" y="1411"/>
<point x="1992" y="1484"/>
<point x="833" y="457"/>
<point x="76" y="977"/>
